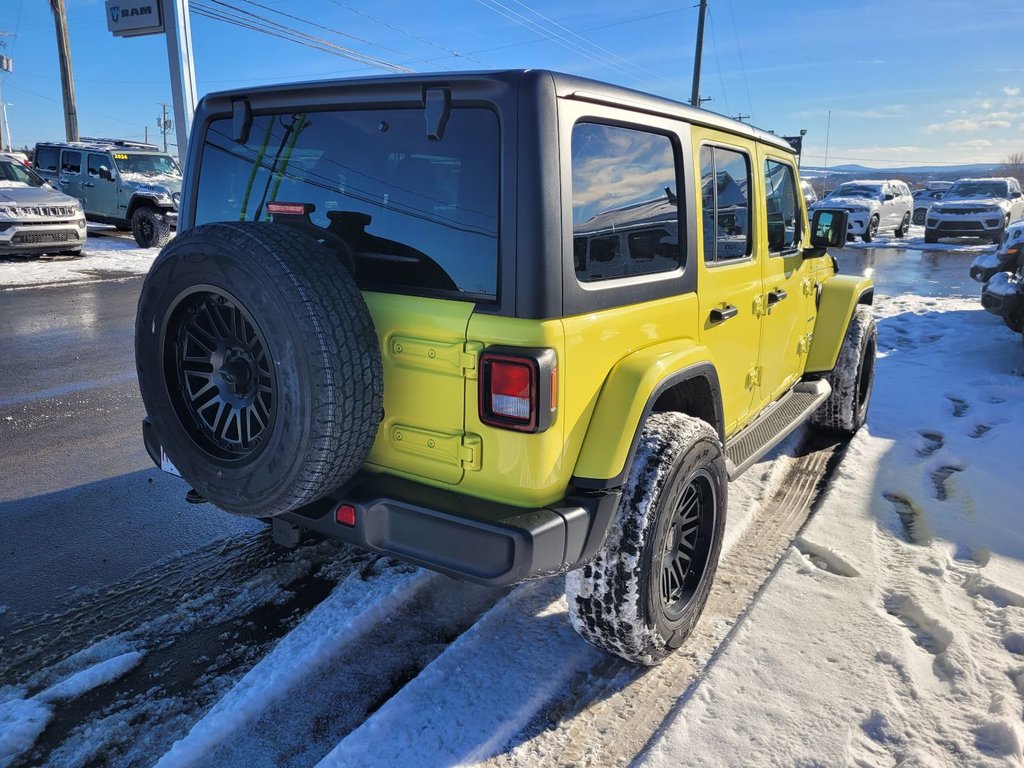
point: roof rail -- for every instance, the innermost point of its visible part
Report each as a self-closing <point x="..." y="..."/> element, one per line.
<point x="117" y="142"/>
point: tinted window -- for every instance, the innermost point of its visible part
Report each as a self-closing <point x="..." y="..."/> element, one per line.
<point x="784" y="215"/>
<point x="71" y="162"/>
<point x="46" y="158"/>
<point x="623" y="182"/>
<point x="419" y="216"/>
<point x="95" y="161"/>
<point x="725" y="195"/>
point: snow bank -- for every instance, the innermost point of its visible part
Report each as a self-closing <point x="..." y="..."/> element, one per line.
<point x="103" y="258"/>
<point x="893" y="632"/>
<point x="328" y="630"/>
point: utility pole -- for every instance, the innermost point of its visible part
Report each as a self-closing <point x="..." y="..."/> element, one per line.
<point x="67" y="81"/>
<point x="695" y="93"/>
<point x="741" y="117"/>
<point x="6" y="65"/>
<point x="165" y="125"/>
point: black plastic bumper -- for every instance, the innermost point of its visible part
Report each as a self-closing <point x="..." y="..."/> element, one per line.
<point x="465" y="537"/>
<point x="1002" y="304"/>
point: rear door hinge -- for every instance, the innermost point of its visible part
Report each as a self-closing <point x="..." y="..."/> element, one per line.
<point x="470" y="354"/>
<point x="470" y="453"/>
<point x="759" y="306"/>
<point x="807" y="285"/>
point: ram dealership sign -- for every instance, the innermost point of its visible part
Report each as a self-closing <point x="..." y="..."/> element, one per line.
<point x="129" y="18"/>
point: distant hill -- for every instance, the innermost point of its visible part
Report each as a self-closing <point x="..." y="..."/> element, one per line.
<point x="948" y="171"/>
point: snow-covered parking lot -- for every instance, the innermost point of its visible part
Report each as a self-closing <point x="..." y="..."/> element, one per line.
<point x="890" y="631"/>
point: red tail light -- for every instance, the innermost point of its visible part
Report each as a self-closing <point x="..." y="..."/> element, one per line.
<point x="518" y="388"/>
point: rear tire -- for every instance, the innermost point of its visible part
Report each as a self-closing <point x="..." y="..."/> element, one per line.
<point x="846" y="408"/>
<point x="644" y="592"/>
<point x="150" y="228"/>
<point x="259" y="366"/>
<point x="919" y="215"/>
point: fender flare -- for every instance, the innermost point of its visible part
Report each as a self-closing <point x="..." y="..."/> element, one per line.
<point x="836" y="299"/>
<point x="626" y="400"/>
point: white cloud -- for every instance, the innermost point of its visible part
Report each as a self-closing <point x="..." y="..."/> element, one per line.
<point x="1011" y="91"/>
<point x="971" y="125"/>
<point x="972" y="144"/>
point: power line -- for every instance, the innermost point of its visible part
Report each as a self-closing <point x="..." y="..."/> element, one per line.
<point x="335" y="31"/>
<point x="592" y="44"/>
<point x="518" y="18"/>
<point x="252" y="21"/>
<point x="401" y="31"/>
<point x="619" y="23"/>
<point x="739" y="53"/>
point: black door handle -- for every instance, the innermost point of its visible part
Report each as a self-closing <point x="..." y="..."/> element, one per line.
<point x="774" y="297"/>
<point x="721" y="314"/>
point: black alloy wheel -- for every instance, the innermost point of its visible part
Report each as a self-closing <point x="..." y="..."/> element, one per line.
<point x="687" y="545"/>
<point x="219" y="374"/>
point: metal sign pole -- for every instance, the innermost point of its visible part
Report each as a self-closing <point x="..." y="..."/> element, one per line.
<point x="183" y="78"/>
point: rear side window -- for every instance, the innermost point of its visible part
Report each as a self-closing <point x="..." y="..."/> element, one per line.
<point x="625" y="207"/>
<point x="725" y="193"/>
<point x="71" y="162"/>
<point x="784" y="216"/>
<point x="46" y="158"/>
<point x="420" y="216"/>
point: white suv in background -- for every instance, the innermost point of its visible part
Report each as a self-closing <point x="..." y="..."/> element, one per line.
<point x="975" y="208"/>
<point x="872" y="205"/>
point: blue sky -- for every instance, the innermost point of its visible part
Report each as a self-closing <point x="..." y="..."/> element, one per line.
<point x="936" y="81"/>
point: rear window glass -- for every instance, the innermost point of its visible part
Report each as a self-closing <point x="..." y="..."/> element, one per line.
<point x="419" y="216"/>
<point x="46" y="158"/>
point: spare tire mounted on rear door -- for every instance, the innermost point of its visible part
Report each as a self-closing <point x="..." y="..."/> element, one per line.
<point x="259" y="365"/>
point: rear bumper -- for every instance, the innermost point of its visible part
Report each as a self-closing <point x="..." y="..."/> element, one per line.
<point x="464" y="537"/>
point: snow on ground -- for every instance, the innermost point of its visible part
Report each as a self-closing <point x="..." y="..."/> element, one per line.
<point x="915" y="241"/>
<point x="24" y="717"/>
<point x="893" y="632"/>
<point x="104" y="257"/>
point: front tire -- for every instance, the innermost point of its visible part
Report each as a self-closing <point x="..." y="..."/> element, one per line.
<point x="150" y="228"/>
<point x="852" y="380"/>
<point x="644" y="592"/>
<point x="931" y="237"/>
<point x="871" y="231"/>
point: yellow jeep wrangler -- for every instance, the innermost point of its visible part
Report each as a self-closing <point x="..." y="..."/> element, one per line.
<point x="501" y="325"/>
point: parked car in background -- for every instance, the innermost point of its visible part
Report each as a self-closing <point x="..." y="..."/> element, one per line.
<point x="35" y="218"/>
<point x="1003" y="292"/>
<point x="986" y="265"/>
<point x="125" y="183"/>
<point x="923" y="199"/>
<point x="18" y="157"/>
<point x="872" y="205"/>
<point x="810" y="196"/>
<point x="975" y="208"/>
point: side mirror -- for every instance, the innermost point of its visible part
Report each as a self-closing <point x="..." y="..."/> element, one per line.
<point x="828" y="230"/>
<point x="888" y="197"/>
<point x="1014" y="195"/>
<point x="105" y="173"/>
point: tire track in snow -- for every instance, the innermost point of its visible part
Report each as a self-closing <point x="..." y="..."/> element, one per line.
<point x="520" y="680"/>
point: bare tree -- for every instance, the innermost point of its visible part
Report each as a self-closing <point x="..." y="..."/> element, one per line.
<point x="1014" y="166"/>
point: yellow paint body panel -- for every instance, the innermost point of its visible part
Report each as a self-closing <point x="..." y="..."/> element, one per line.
<point x="839" y="295"/>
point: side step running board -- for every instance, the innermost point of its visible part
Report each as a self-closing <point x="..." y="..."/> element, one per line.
<point x="774" y="425"/>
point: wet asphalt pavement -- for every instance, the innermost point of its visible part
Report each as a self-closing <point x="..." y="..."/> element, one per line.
<point x="81" y="505"/>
